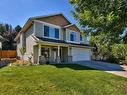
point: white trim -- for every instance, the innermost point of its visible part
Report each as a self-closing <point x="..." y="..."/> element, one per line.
<point x="58" y="51"/>
<point x="52" y="37"/>
<point x="68" y="25"/>
<point x="39" y="52"/>
<point x="73" y="42"/>
<point x="69" y="39"/>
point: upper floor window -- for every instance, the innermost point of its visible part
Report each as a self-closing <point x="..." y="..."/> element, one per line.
<point x="46" y="31"/>
<point x="56" y="33"/>
<point x="73" y="36"/>
<point x="81" y="39"/>
<point x="51" y="32"/>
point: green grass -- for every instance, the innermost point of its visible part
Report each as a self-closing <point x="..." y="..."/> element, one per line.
<point x="59" y="80"/>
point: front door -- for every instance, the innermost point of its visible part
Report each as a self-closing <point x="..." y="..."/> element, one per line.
<point x="45" y="53"/>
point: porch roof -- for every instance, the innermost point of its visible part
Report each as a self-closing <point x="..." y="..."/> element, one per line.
<point x="62" y="42"/>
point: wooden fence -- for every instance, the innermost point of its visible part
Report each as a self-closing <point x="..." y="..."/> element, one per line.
<point x="8" y="53"/>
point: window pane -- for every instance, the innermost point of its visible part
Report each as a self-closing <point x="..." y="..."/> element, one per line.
<point x="46" y="31"/>
<point x="51" y="32"/>
<point x="56" y="33"/>
<point x="72" y="37"/>
<point x="80" y="37"/>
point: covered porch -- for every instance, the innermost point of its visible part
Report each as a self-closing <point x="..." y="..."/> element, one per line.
<point x="48" y="53"/>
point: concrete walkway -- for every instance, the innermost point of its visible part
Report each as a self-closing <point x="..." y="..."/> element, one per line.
<point x="108" y="67"/>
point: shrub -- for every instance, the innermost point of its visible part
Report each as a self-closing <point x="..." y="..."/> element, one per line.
<point x="119" y="52"/>
<point x="125" y="62"/>
<point x="21" y="63"/>
<point x="111" y="59"/>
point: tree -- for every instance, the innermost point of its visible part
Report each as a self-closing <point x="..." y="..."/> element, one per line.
<point x="2" y="29"/>
<point x="103" y="15"/>
<point x="105" y="19"/>
<point x="119" y="51"/>
<point x="18" y="28"/>
<point x="9" y="34"/>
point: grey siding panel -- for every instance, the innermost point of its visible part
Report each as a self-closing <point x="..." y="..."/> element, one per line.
<point x="38" y="29"/>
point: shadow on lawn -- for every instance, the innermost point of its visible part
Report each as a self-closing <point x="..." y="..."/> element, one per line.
<point x="72" y="66"/>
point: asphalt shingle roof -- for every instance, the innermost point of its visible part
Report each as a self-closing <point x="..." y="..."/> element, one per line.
<point x="61" y="41"/>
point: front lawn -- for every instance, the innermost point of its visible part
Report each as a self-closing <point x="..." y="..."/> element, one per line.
<point x="59" y="80"/>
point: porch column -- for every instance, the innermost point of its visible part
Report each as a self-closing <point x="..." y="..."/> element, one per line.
<point x="69" y="59"/>
<point x="39" y="53"/>
<point x="69" y="51"/>
<point x="58" y="50"/>
<point x="50" y="54"/>
<point x="58" y="57"/>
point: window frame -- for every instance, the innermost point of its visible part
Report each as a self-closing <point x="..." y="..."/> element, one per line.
<point x="44" y="31"/>
<point x="49" y="32"/>
<point x="81" y="38"/>
<point x="57" y="35"/>
<point x="74" y="36"/>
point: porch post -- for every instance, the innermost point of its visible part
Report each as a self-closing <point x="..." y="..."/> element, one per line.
<point x="58" y="50"/>
<point x="58" y="57"/>
<point x="69" y="51"/>
<point x="39" y="53"/>
<point x="69" y="59"/>
<point x="50" y="54"/>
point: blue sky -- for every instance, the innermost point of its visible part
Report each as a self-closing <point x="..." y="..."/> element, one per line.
<point x="16" y="12"/>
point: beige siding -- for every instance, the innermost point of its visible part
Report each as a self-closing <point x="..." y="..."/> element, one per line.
<point x="30" y="42"/>
<point x="58" y="20"/>
<point x="18" y="51"/>
<point x="26" y="40"/>
<point x="20" y="43"/>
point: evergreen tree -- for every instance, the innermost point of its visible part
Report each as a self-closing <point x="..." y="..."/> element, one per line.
<point x="18" y="28"/>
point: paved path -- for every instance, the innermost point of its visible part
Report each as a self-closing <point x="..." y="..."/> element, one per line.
<point x="108" y="67"/>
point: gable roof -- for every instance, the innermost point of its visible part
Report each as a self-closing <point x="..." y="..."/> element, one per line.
<point x="56" y="19"/>
<point x="51" y="16"/>
<point x="31" y="19"/>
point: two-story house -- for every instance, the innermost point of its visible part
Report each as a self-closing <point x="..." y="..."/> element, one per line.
<point x="53" y="39"/>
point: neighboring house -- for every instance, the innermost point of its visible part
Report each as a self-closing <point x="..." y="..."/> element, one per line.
<point x="53" y="39"/>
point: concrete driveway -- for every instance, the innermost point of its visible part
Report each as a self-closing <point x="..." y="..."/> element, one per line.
<point x="108" y="67"/>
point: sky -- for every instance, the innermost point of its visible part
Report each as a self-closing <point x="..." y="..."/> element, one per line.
<point x="17" y="12"/>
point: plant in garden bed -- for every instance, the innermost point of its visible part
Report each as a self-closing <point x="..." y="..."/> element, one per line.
<point x="21" y="63"/>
